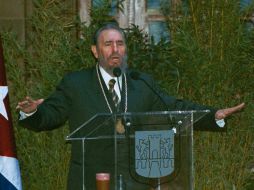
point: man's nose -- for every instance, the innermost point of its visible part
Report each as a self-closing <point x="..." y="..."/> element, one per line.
<point x="115" y="47"/>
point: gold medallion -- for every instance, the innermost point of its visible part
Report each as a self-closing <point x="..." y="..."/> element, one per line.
<point x="119" y="126"/>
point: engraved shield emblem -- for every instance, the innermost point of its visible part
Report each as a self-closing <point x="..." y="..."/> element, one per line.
<point x="154" y="153"/>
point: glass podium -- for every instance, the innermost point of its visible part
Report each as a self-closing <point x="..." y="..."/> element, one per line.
<point x="140" y="151"/>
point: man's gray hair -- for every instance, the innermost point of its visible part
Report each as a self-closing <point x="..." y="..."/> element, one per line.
<point x="108" y="26"/>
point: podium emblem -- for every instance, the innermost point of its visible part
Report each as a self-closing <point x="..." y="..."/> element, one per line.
<point x="154" y="153"/>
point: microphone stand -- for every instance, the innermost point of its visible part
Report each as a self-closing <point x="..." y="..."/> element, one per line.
<point x="117" y="73"/>
<point x="119" y="183"/>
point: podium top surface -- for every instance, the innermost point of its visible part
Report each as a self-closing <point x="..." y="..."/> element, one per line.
<point x="102" y="124"/>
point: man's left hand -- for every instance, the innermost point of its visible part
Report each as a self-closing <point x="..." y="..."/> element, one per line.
<point x="223" y="113"/>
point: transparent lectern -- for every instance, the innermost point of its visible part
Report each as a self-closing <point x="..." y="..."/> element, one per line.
<point x="140" y="151"/>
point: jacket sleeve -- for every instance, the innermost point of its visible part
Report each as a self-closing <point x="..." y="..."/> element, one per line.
<point x="53" y="112"/>
<point x="162" y="101"/>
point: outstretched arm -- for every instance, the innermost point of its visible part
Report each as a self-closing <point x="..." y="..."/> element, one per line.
<point x="28" y="105"/>
<point x="224" y="113"/>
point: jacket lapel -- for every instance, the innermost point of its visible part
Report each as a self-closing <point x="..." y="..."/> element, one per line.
<point x="134" y="94"/>
<point x="98" y="99"/>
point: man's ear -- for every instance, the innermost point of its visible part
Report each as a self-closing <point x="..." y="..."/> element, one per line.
<point x="94" y="50"/>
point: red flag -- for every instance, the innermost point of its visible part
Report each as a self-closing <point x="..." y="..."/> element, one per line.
<point x="9" y="166"/>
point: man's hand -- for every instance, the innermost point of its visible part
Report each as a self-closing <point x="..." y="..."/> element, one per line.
<point x="223" y="113"/>
<point x="28" y="105"/>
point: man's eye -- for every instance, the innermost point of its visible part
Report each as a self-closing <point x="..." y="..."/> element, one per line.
<point x="120" y="43"/>
<point x="107" y="44"/>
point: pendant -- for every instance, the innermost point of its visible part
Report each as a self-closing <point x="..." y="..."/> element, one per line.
<point x="119" y="126"/>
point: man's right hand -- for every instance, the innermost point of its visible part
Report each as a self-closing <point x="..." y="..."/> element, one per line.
<point x="28" y="105"/>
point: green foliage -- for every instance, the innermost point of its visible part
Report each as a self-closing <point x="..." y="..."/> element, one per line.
<point x="156" y="59"/>
<point x="215" y="62"/>
<point x="209" y="59"/>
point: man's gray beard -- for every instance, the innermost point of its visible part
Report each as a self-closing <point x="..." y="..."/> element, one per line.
<point x="123" y="66"/>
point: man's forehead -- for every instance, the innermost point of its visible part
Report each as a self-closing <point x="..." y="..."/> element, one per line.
<point x="111" y="33"/>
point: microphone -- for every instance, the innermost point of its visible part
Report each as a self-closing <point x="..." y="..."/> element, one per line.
<point x="117" y="72"/>
<point x="136" y="76"/>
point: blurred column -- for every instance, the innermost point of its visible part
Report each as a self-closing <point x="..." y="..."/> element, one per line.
<point x="12" y="17"/>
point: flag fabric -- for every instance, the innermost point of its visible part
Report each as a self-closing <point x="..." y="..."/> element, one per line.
<point x="9" y="166"/>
